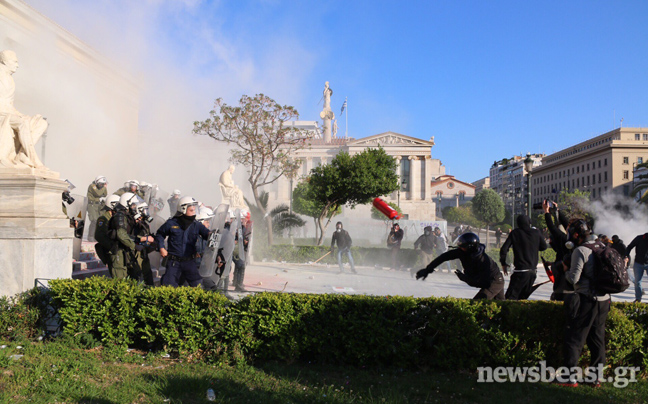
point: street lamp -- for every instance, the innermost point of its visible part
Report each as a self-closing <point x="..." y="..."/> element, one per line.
<point x="528" y="165"/>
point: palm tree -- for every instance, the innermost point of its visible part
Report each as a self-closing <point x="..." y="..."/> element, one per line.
<point x="281" y="216"/>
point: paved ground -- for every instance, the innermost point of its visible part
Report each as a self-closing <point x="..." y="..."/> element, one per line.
<point x="305" y="278"/>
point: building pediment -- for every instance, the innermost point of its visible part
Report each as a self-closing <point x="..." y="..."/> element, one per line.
<point x="389" y="139"/>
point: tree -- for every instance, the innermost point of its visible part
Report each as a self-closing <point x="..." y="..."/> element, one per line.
<point x="378" y="215"/>
<point x="488" y="207"/>
<point x="352" y="181"/>
<point x="280" y="216"/>
<point x="575" y="203"/>
<point x="264" y="143"/>
<point x="306" y="204"/>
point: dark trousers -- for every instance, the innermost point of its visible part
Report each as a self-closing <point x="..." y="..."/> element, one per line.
<point x="177" y="270"/>
<point x="585" y="322"/>
<point x="494" y="291"/>
<point x="520" y="286"/>
<point x="395" y="252"/>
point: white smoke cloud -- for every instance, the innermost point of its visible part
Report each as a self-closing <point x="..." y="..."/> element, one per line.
<point x="179" y="58"/>
<point x="616" y="214"/>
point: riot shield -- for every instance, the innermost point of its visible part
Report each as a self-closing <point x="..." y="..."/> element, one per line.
<point x="157" y="201"/>
<point x="239" y="234"/>
<point x="217" y="227"/>
<point x="77" y="211"/>
<point x="228" y="243"/>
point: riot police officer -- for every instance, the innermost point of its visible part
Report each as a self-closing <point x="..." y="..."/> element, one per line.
<point x="122" y="225"/>
<point x="105" y="238"/>
<point x="145" y="243"/>
<point x="182" y="231"/>
<point x="97" y="192"/>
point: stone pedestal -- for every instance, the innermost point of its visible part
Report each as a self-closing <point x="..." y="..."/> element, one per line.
<point x="35" y="235"/>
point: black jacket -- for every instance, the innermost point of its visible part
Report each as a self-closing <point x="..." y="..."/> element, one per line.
<point x="527" y="242"/>
<point x="620" y="247"/>
<point x="426" y="241"/>
<point x="395" y="238"/>
<point x="479" y="268"/>
<point x="342" y="238"/>
<point x="641" y="255"/>
<point x="558" y="238"/>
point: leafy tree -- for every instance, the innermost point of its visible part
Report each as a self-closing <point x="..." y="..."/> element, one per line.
<point x="376" y="214"/>
<point x="488" y="207"/>
<point x="283" y="218"/>
<point x="352" y="181"/>
<point x="263" y="142"/>
<point x="305" y="203"/>
<point x="575" y="203"/>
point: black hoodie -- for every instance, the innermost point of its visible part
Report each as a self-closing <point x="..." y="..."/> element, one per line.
<point x="479" y="269"/>
<point x="527" y="242"/>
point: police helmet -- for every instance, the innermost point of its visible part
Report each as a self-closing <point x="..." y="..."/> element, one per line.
<point x="185" y="202"/>
<point x="468" y="241"/>
<point x="134" y="183"/>
<point x="111" y="201"/>
<point x="127" y="199"/>
<point x="176" y="192"/>
<point x="204" y="214"/>
<point x="100" y="180"/>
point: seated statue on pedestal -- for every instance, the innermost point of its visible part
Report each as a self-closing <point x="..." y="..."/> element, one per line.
<point x="18" y="132"/>
<point x="231" y="193"/>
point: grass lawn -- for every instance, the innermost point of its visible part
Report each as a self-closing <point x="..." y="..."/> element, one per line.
<point x="61" y="372"/>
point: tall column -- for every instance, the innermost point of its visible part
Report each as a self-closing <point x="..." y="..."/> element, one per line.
<point x="415" y="178"/>
<point x="394" y="195"/>
<point x="308" y="165"/>
<point x="427" y="190"/>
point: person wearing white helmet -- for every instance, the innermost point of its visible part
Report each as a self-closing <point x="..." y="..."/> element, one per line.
<point x="203" y="216"/>
<point x="145" y="243"/>
<point x="173" y="201"/>
<point x="103" y="235"/>
<point x="97" y="192"/>
<point x="131" y="186"/>
<point x="182" y="232"/>
<point x="122" y="225"/>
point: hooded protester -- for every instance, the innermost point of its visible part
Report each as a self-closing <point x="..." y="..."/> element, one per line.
<point x="182" y="231"/>
<point x="527" y="242"/>
<point x="480" y="271"/>
<point x="586" y="309"/>
<point x="426" y="242"/>
<point x="344" y="242"/>
<point x="557" y="240"/>
<point x="394" y="243"/>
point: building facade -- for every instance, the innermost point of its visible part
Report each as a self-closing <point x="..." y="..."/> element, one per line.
<point x="600" y="165"/>
<point x="450" y="192"/>
<point x="508" y="179"/>
<point x="416" y="167"/>
<point x="481" y="184"/>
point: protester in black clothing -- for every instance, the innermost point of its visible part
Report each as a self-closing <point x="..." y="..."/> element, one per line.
<point x="344" y="242"/>
<point x="426" y="243"/>
<point x="586" y="309"/>
<point x="557" y="240"/>
<point x="480" y="271"/>
<point x="618" y="245"/>
<point x="641" y="261"/>
<point x="394" y="243"/>
<point x="527" y="241"/>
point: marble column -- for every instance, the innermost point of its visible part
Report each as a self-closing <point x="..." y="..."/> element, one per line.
<point x="394" y="195"/>
<point x="415" y="178"/>
<point x="427" y="190"/>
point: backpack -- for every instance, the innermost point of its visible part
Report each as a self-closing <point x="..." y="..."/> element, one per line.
<point x="610" y="273"/>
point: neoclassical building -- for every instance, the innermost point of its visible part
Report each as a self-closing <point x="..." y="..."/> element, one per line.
<point x="417" y="170"/>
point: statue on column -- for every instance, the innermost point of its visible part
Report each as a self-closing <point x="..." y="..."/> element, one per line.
<point x="231" y="192"/>
<point x="19" y="133"/>
<point x="327" y="114"/>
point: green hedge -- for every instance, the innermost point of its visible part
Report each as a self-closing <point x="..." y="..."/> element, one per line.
<point x="442" y="333"/>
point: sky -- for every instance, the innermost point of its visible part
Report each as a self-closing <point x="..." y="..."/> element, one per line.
<point x="488" y="80"/>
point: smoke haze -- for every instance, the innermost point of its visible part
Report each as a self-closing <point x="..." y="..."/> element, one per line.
<point x="159" y="67"/>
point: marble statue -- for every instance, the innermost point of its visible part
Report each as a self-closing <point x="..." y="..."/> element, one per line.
<point x="230" y="191"/>
<point x="327" y="114"/>
<point x="18" y="132"/>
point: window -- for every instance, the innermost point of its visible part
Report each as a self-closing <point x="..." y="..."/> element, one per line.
<point x="639" y="160"/>
<point x="599" y="165"/>
<point x="626" y="160"/>
<point x="637" y="136"/>
<point x="462" y="195"/>
<point x="626" y="190"/>
<point x="593" y="179"/>
<point x="587" y="166"/>
<point x="588" y="180"/>
<point x="599" y="180"/>
<point x="605" y="176"/>
<point x="593" y="193"/>
<point x="605" y="162"/>
<point x="645" y="136"/>
<point x="577" y="182"/>
<point x="626" y="174"/>
<point x="577" y="170"/>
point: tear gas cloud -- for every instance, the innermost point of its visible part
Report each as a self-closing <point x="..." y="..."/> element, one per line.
<point x="122" y="96"/>
<point x="616" y="214"/>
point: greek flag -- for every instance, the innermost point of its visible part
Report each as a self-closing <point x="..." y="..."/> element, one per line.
<point x="343" y="107"/>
